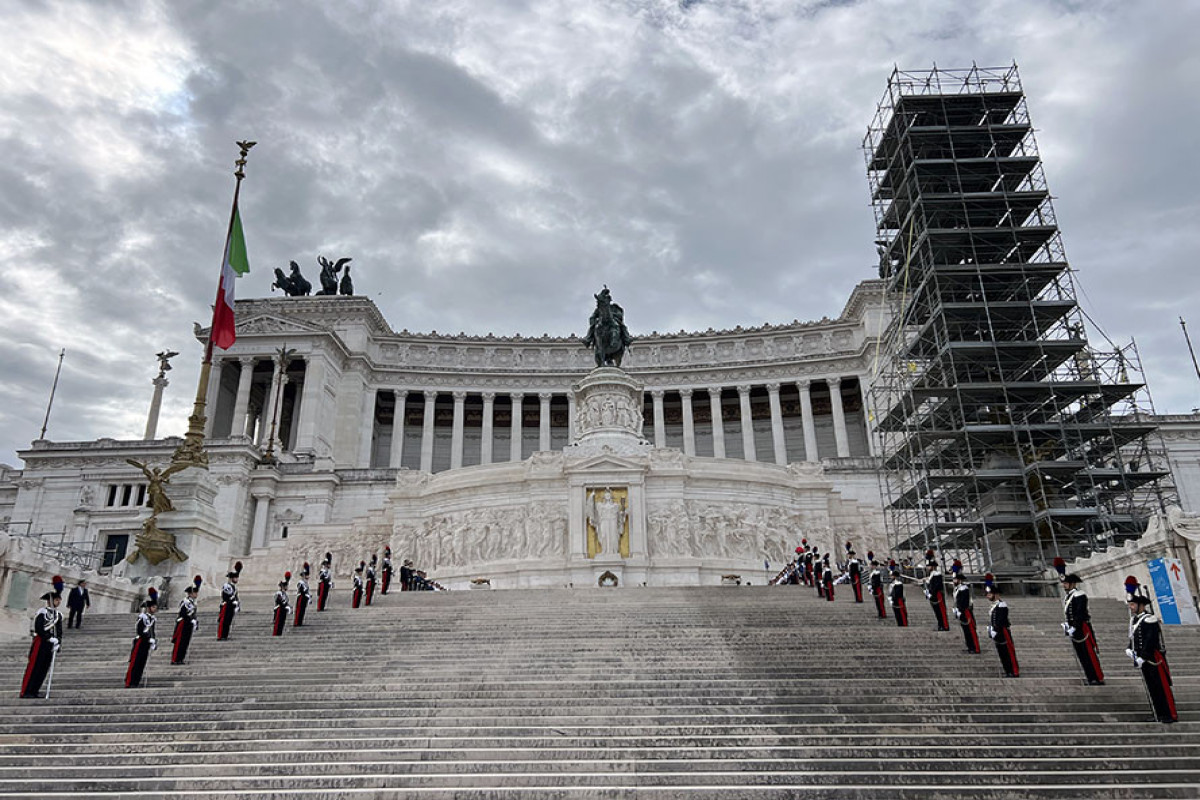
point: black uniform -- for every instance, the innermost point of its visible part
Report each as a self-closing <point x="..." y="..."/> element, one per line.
<point x="282" y="608"/>
<point x="144" y="640"/>
<point x="386" y="581"/>
<point x="229" y="606"/>
<point x="964" y="610"/>
<point x="1001" y="633"/>
<point x="302" y="597"/>
<point x="369" y="594"/>
<point x="827" y="580"/>
<point x="935" y="590"/>
<point x="185" y="625"/>
<point x="357" y="595"/>
<point x="324" y="585"/>
<point x="876" y="583"/>
<point x="854" y="567"/>
<point x="406" y="577"/>
<point x="1077" y="626"/>
<point x="1149" y="655"/>
<point x="899" y="608"/>
<point x="47" y="633"/>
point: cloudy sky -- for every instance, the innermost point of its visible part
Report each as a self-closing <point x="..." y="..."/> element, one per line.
<point x="489" y="164"/>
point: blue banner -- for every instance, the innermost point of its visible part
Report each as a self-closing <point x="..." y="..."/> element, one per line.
<point x="1168" y="610"/>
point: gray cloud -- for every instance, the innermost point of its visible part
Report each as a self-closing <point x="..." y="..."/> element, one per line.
<point x="488" y="166"/>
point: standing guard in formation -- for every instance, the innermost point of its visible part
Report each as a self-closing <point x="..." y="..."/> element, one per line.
<point x="302" y="595"/>
<point x="145" y="640"/>
<point x="357" y="594"/>
<point x="875" y="581"/>
<point x="935" y="591"/>
<point x="386" y="569"/>
<point x="279" y="619"/>
<point x="186" y="623"/>
<point x="827" y="578"/>
<point x="999" y="628"/>
<point x="964" y="608"/>
<point x="896" y="594"/>
<point x="854" y="568"/>
<point x="324" y="581"/>
<point x="1149" y="654"/>
<point x="229" y="602"/>
<point x="1077" y="626"/>
<point x="369" y="594"/>
<point x="46" y="629"/>
<point x="808" y="562"/>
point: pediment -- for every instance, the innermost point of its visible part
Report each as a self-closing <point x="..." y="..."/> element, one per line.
<point x="269" y="324"/>
<point x="602" y="462"/>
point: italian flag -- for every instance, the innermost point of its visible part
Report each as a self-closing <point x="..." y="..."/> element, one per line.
<point x="223" y="334"/>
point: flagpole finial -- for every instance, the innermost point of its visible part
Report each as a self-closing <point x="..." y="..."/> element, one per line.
<point x="245" y="146"/>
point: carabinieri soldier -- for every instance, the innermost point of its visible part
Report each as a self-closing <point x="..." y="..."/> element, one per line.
<point x="1149" y="654"/>
<point x="46" y="629"/>
<point x="370" y="591"/>
<point x="854" y="567"/>
<point x="808" y="562"/>
<point x="302" y="595"/>
<point x="406" y="576"/>
<point x="357" y="594"/>
<point x="324" y="581"/>
<point x="935" y="591"/>
<point x="279" y="617"/>
<point x="964" y="608"/>
<point x="230" y="604"/>
<point x="1077" y="625"/>
<point x="896" y="594"/>
<point x="999" y="628"/>
<point x="875" y="580"/>
<point x="186" y="622"/>
<point x="145" y="640"/>
<point x="386" y="570"/>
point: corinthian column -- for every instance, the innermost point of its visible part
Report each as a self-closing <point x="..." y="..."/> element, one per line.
<point x="396" y="457"/>
<point x="839" y="418"/>
<point x="456" y="435"/>
<point x="777" y="424"/>
<point x="514" y="446"/>
<point x="689" y="423"/>
<point x="748" y="449"/>
<point x="718" y="422"/>
<point x="544" y="420"/>
<point x="660" y="424"/>
<point x="427" y="431"/>
<point x="485" y="444"/>
<point x="806" y="417"/>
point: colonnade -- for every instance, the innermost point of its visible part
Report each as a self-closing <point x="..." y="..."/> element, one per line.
<point x="682" y="402"/>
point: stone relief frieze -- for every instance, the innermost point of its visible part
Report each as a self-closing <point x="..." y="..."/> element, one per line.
<point x="697" y="529"/>
<point x="482" y="536"/>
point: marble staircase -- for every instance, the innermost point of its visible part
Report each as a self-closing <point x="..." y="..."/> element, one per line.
<point x="721" y="692"/>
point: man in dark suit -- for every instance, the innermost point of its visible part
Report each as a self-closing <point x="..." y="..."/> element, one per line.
<point x="77" y="601"/>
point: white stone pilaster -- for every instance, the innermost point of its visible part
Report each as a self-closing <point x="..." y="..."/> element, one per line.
<point x="749" y="451"/>
<point x="810" y="426"/>
<point x="312" y="397"/>
<point x="456" y="435"/>
<point x="689" y="423"/>
<point x="396" y="456"/>
<point x="485" y="444"/>
<point x="427" y="431"/>
<point x="367" y="432"/>
<point x="777" y="424"/>
<point x="262" y="507"/>
<point x="718" y="422"/>
<point x="839" y="418"/>
<point x="570" y="418"/>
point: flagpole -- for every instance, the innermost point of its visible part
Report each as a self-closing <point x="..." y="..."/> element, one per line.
<point x="53" y="389"/>
<point x="191" y="452"/>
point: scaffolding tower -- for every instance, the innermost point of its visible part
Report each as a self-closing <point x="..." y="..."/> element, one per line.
<point x="1005" y="439"/>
